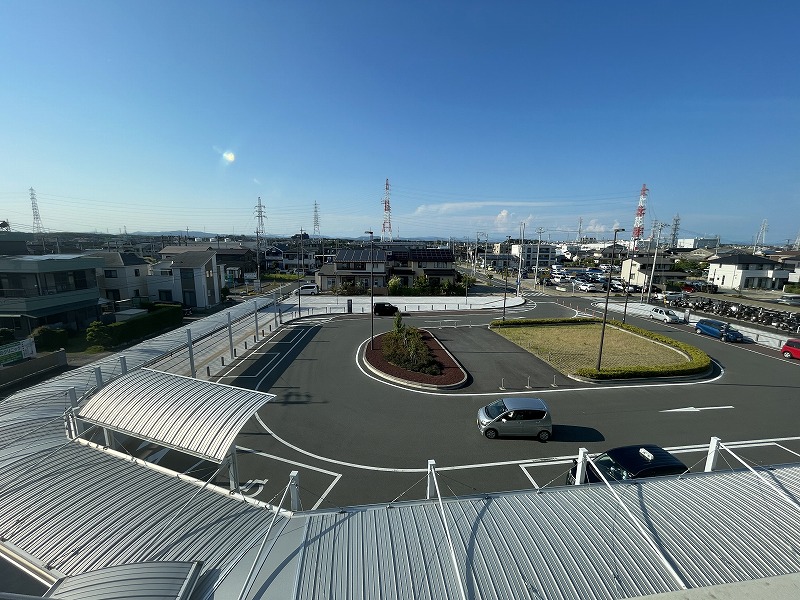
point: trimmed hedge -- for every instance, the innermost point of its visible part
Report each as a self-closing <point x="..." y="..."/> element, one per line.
<point x="699" y="361"/>
<point x="49" y="339"/>
<point x="162" y="317"/>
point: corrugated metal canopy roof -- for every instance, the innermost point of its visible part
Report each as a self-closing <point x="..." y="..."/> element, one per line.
<point x="197" y="417"/>
<point x="167" y="580"/>
<point x="567" y="543"/>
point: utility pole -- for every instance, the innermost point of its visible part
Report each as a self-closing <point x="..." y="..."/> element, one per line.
<point x="259" y="235"/>
<point x="519" y="262"/>
<point x="540" y="231"/>
<point x="386" y="232"/>
<point x="657" y="229"/>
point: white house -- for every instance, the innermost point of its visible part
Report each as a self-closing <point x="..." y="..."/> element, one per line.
<point x="192" y="277"/>
<point x="123" y="276"/>
<point x="742" y="271"/>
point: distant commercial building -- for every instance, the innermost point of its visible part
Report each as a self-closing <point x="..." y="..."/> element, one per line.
<point x="712" y="242"/>
<point x="543" y="255"/>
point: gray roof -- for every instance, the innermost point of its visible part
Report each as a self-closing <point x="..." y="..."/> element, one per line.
<point x="743" y="259"/>
<point x="572" y="542"/>
<point x="138" y="581"/>
<point x="100" y="508"/>
<point x="360" y="255"/>
<point x="194" y="416"/>
<point x="193" y="259"/>
<point x="119" y="259"/>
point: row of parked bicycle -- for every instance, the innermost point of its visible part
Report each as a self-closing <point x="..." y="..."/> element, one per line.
<point x="782" y="320"/>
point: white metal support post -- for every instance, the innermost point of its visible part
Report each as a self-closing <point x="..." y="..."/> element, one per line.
<point x="294" y="490"/>
<point x="72" y="422"/>
<point x="123" y="365"/>
<point x="713" y="454"/>
<point x="230" y="334"/>
<point x="233" y="470"/>
<point x="431" y="482"/>
<point x="191" y="353"/>
<point x="255" y="313"/>
<point x="98" y="377"/>
<point x="580" y="466"/>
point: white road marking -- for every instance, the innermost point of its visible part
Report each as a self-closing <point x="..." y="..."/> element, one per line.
<point x="336" y="476"/>
<point x="693" y="409"/>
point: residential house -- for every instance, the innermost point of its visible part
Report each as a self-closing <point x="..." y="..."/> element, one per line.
<point x="123" y="276"/>
<point x="746" y="271"/>
<point x="51" y="289"/>
<point x="237" y="261"/>
<point x="790" y="260"/>
<point x="638" y="270"/>
<point x="362" y="267"/>
<point x="191" y="277"/>
<point x="437" y="264"/>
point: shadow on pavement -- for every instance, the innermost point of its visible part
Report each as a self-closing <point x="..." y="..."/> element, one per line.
<point x="576" y="433"/>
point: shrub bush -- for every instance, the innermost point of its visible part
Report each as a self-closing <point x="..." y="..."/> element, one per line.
<point x="97" y="334"/>
<point x="404" y="347"/>
<point x="48" y="338"/>
<point x="6" y="335"/>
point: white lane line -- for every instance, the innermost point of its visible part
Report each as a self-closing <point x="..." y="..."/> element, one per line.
<point x="261" y="381"/>
<point x="275" y="356"/>
<point x="336" y="476"/>
<point x="693" y="409"/>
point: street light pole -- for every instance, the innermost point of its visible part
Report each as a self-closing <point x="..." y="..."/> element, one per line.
<point x="608" y="293"/>
<point x="371" y="294"/>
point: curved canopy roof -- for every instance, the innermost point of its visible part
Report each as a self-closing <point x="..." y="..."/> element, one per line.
<point x="197" y="417"/>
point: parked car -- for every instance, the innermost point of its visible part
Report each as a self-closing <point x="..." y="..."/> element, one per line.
<point x="791" y="349"/>
<point x="789" y="299"/>
<point x="589" y="287"/>
<point x="516" y="417"/>
<point x="665" y="314"/>
<point x="385" y="309"/>
<point x="631" y="462"/>
<point x="718" y="329"/>
<point x="309" y="289"/>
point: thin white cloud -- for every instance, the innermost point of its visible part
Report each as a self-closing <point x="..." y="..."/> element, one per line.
<point x="449" y="208"/>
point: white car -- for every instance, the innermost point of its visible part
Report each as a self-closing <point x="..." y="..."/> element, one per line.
<point x="589" y="287"/>
<point x="665" y="314"/>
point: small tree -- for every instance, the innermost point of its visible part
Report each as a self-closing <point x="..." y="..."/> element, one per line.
<point x="395" y="286"/>
<point x="98" y="334"/>
<point x="404" y="347"/>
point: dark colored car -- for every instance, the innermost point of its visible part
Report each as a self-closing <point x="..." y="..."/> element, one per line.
<point x="385" y="309"/>
<point x="631" y="462"/>
<point x="791" y="349"/>
<point x="718" y="329"/>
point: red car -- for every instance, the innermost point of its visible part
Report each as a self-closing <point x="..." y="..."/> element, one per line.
<point x="791" y="349"/>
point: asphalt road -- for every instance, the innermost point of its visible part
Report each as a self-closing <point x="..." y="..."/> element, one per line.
<point x="356" y="439"/>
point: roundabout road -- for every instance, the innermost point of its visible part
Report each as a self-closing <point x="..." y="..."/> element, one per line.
<point x="356" y="439"/>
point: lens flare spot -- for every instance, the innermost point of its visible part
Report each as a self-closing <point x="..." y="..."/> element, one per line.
<point x="228" y="157"/>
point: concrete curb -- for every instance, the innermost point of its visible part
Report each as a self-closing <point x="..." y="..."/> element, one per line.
<point x="415" y="384"/>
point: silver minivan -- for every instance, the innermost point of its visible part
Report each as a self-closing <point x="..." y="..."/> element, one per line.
<point x="307" y="290"/>
<point x="516" y="417"/>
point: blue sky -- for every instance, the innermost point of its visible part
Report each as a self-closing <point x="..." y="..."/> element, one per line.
<point x="153" y="116"/>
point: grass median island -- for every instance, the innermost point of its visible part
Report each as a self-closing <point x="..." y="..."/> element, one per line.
<point x="572" y="345"/>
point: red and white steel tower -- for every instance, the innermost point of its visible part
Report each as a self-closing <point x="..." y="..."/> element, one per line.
<point x="386" y="232"/>
<point x="638" y="221"/>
